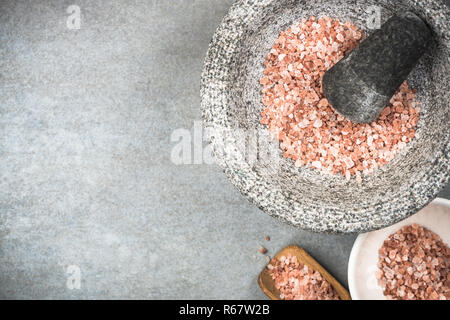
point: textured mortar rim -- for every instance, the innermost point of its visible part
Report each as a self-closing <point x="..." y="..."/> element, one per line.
<point x="214" y="82"/>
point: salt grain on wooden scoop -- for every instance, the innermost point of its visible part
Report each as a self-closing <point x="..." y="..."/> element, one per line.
<point x="294" y="274"/>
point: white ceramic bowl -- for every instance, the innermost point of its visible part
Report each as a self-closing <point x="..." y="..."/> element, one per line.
<point x="364" y="256"/>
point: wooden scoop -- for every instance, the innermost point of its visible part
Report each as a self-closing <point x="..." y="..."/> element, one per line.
<point x="267" y="284"/>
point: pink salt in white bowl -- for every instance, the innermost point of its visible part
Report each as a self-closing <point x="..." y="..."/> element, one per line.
<point x="363" y="260"/>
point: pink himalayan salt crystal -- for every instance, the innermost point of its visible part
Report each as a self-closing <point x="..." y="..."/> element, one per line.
<point x="297" y="281"/>
<point x="310" y="131"/>
<point x="425" y="272"/>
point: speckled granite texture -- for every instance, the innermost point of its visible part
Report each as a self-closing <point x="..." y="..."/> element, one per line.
<point x="303" y="197"/>
<point x="85" y="171"/>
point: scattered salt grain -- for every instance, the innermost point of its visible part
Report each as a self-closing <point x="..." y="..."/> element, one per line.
<point x="317" y="164"/>
<point x="317" y="123"/>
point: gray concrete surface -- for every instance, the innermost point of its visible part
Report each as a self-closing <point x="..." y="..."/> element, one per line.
<point x="86" y="177"/>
